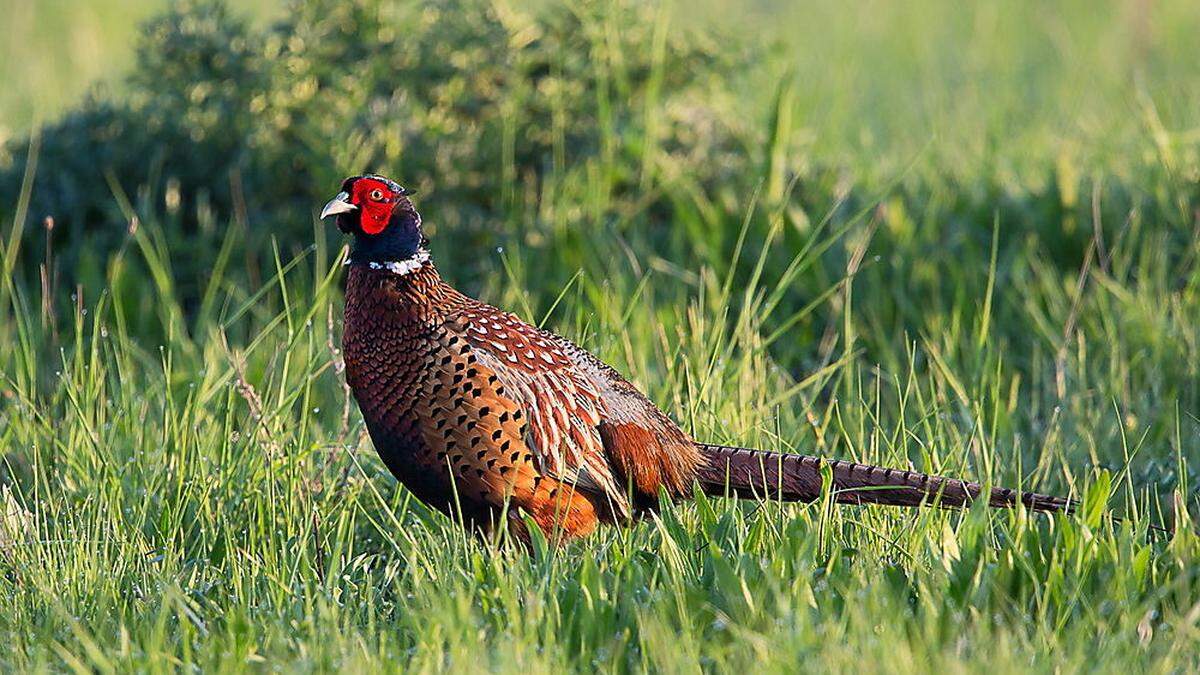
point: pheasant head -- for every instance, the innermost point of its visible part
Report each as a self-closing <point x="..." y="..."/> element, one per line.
<point x="378" y="213"/>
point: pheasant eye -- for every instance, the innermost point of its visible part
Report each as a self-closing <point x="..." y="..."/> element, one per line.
<point x="376" y="195"/>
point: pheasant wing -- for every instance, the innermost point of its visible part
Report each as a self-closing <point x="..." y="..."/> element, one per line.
<point x="563" y="405"/>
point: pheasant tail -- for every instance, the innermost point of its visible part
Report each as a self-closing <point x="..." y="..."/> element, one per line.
<point x="744" y="472"/>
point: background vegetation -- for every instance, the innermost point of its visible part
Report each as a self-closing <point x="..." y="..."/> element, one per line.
<point x="964" y="239"/>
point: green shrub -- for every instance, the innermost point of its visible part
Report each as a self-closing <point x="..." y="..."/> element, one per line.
<point x="471" y="103"/>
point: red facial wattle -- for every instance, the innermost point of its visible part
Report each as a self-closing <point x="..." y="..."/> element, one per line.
<point x="375" y="201"/>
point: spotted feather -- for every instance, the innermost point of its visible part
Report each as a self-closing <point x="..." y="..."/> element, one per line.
<point x="564" y="407"/>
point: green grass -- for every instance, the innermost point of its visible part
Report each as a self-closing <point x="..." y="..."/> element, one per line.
<point x="973" y="250"/>
<point x="56" y="51"/>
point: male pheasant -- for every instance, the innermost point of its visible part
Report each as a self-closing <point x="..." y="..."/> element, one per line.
<point x="490" y="419"/>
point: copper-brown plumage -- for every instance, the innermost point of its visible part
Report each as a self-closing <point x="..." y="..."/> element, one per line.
<point x="475" y="410"/>
<point x="490" y="419"/>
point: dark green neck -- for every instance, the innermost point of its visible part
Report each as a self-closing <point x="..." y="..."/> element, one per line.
<point x="401" y="240"/>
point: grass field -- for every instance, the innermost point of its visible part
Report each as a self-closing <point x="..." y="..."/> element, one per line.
<point x="964" y="240"/>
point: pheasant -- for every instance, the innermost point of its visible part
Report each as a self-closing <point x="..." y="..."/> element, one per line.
<point x="497" y="423"/>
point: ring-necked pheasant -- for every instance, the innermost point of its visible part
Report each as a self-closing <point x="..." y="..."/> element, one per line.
<point x="486" y="417"/>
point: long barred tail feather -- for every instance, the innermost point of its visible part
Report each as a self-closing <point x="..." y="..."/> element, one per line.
<point x="765" y="474"/>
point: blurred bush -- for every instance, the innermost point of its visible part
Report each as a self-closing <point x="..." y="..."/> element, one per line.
<point x="557" y="127"/>
<point x="472" y="103"/>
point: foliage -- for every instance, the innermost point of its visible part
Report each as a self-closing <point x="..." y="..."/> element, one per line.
<point x="467" y="100"/>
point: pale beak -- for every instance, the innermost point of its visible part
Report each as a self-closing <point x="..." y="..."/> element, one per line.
<point x="339" y="204"/>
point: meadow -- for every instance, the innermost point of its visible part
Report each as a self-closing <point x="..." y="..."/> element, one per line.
<point x="959" y="238"/>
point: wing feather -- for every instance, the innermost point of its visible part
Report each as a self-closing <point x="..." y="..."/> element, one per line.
<point x="587" y="424"/>
<point x="563" y="406"/>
